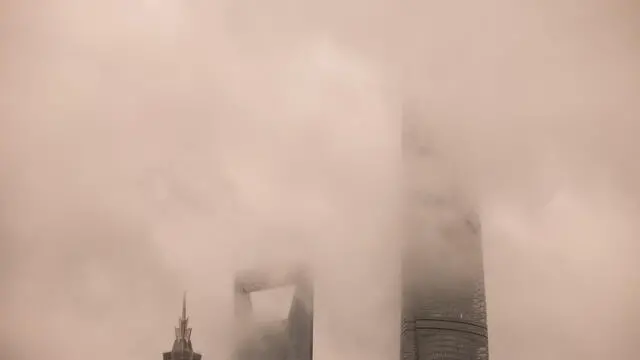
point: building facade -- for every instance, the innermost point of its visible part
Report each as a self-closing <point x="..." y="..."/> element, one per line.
<point x="291" y="339"/>
<point x="443" y="311"/>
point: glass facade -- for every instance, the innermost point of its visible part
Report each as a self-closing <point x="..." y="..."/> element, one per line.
<point x="288" y="340"/>
<point x="443" y="314"/>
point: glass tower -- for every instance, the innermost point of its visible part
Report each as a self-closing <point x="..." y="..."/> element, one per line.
<point x="291" y="339"/>
<point x="443" y="301"/>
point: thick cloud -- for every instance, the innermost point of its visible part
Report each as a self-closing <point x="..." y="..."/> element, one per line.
<point x="152" y="146"/>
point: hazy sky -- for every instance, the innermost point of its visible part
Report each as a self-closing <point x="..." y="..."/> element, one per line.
<point x="148" y="147"/>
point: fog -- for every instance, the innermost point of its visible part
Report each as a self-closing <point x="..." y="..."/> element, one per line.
<point x="148" y="147"/>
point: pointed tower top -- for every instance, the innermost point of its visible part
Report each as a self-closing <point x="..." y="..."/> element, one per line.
<point x="182" y="347"/>
<point x="184" y="305"/>
<point x="183" y="332"/>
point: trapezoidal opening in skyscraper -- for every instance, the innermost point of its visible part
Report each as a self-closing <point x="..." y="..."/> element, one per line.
<point x="288" y="339"/>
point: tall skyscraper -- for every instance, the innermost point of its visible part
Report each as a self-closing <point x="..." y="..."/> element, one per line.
<point x="443" y="314"/>
<point x="182" y="347"/>
<point x="291" y="339"/>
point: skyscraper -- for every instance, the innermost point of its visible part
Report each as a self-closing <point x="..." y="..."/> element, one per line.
<point x="443" y="314"/>
<point x="182" y="347"/>
<point x="291" y="339"/>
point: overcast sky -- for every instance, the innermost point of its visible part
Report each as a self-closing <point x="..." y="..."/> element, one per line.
<point x="147" y="147"/>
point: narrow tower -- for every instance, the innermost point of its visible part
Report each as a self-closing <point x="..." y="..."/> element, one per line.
<point x="182" y="347"/>
<point x="443" y="315"/>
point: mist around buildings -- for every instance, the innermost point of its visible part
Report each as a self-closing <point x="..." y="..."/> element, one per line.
<point x="148" y="147"/>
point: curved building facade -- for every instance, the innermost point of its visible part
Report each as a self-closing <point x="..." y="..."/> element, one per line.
<point x="443" y="314"/>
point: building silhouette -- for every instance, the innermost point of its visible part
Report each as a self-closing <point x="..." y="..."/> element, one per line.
<point x="443" y="301"/>
<point x="182" y="346"/>
<point x="291" y="339"/>
<point x="443" y="296"/>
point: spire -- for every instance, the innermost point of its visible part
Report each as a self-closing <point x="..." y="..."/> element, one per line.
<point x="184" y="306"/>
<point x="182" y="345"/>
<point x="183" y="332"/>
